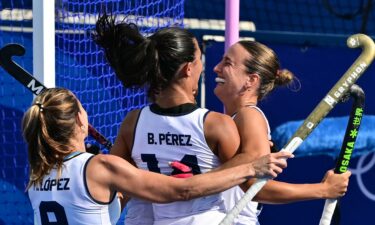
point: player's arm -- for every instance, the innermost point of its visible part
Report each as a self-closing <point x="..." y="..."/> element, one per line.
<point x="124" y="140"/>
<point x="332" y="186"/>
<point x="253" y="131"/>
<point x="124" y="143"/>
<point x="254" y="143"/>
<point x="120" y="175"/>
<point x="249" y="125"/>
<point x="222" y="136"/>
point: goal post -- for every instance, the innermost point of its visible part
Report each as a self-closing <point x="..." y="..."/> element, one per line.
<point x="44" y="41"/>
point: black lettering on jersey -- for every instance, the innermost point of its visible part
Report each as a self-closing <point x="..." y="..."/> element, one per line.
<point x="53" y="183"/>
<point x="174" y="139"/>
<point x="66" y="187"/>
<point x="45" y="186"/>
<point x="161" y="138"/>
<point x="188" y="140"/>
<point x="181" y="139"/>
<point x="150" y="138"/>
<point x="168" y="138"/>
<point x="58" y="184"/>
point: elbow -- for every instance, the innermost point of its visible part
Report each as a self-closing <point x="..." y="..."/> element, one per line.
<point x="177" y="195"/>
<point x="271" y="198"/>
<point x="265" y="199"/>
<point x="187" y="192"/>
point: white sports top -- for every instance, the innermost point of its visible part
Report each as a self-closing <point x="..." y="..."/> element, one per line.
<point x="177" y="134"/>
<point x="66" y="200"/>
<point x="249" y="215"/>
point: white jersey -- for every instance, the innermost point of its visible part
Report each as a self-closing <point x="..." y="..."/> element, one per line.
<point x="66" y="200"/>
<point x="249" y="215"/>
<point x="177" y="134"/>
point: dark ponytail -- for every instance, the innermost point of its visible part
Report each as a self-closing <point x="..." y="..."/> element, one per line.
<point x="137" y="60"/>
<point x="132" y="56"/>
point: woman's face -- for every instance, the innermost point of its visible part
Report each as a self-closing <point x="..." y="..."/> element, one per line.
<point x="231" y="73"/>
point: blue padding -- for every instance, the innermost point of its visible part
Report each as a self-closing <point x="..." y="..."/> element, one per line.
<point x="15" y="205"/>
<point x="328" y="136"/>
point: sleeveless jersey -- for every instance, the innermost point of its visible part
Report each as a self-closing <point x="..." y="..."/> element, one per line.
<point x="249" y="215"/>
<point x="66" y="200"/>
<point x="177" y="134"/>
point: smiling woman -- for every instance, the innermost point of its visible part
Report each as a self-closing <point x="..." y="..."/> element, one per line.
<point x="248" y="72"/>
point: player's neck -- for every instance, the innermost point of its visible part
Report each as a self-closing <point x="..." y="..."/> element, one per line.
<point x="174" y="97"/>
<point x="77" y="143"/>
<point x="246" y="101"/>
<point x="233" y="106"/>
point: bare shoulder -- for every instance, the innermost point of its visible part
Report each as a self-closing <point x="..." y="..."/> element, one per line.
<point x="103" y="160"/>
<point x="100" y="163"/>
<point x="222" y="135"/>
<point x="253" y="131"/>
<point x="250" y="113"/>
<point x="104" y="173"/>
<point x="108" y="161"/>
<point x="218" y="120"/>
<point x="219" y="125"/>
<point x="124" y="141"/>
<point x="248" y="116"/>
<point x="130" y="121"/>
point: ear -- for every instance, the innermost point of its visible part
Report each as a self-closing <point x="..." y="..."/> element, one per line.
<point x="80" y="118"/>
<point x="186" y="69"/>
<point x="252" y="80"/>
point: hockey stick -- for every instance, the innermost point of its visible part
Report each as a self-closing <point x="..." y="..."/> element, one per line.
<point x="320" y="111"/>
<point x="347" y="147"/>
<point x="35" y="86"/>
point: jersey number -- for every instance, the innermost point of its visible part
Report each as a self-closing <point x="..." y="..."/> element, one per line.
<point x="189" y="160"/>
<point x="52" y="213"/>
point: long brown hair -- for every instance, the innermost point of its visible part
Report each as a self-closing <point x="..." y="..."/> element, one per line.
<point x="48" y="126"/>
